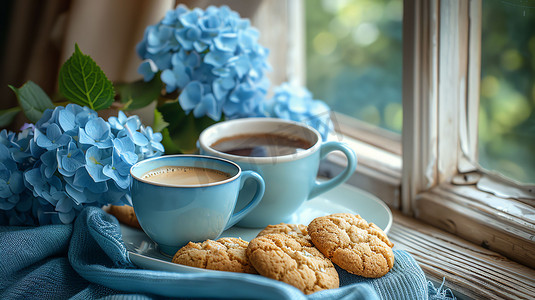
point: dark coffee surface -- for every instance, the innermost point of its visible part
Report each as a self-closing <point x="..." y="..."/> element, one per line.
<point x="261" y="145"/>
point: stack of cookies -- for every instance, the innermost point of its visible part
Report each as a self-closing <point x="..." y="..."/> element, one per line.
<point x="300" y="255"/>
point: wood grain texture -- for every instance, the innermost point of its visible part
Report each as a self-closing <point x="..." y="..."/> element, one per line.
<point x="459" y="212"/>
<point x="467" y="268"/>
<point x="421" y="41"/>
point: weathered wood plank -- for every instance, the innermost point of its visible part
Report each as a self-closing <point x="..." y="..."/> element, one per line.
<point x="506" y="233"/>
<point x="472" y="270"/>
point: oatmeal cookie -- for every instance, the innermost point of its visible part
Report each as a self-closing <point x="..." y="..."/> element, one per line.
<point x="355" y="245"/>
<point x="282" y="257"/>
<point x="297" y="231"/>
<point x="225" y="254"/>
<point x="124" y="214"/>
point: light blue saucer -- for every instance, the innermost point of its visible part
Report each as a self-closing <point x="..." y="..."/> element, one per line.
<point x="343" y="199"/>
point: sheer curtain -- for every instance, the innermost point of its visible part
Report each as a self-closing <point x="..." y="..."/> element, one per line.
<point x="109" y="30"/>
<point x="40" y="36"/>
<point x="30" y="45"/>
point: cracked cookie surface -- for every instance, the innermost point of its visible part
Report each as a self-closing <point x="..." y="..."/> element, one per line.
<point x="225" y="254"/>
<point x="355" y="245"/>
<point x="297" y="231"/>
<point x="282" y="257"/>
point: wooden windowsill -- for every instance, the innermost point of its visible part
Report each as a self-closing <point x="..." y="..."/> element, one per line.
<point x="469" y="270"/>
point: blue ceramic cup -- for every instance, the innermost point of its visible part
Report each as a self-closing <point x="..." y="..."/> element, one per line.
<point x="290" y="179"/>
<point x="196" y="209"/>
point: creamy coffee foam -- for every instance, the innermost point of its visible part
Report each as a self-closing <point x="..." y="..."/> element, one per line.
<point x="176" y="175"/>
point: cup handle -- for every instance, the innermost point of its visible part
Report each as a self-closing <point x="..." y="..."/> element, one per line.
<point x="261" y="187"/>
<point x="322" y="187"/>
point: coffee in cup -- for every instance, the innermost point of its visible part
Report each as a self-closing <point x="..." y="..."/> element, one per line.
<point x="189" y="198"/>
<point x="261" y="145"/>
<point x="180" y="175"/>
<point x="286" y="154"/>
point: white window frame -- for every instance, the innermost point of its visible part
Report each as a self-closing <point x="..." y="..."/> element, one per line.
<point x="440" y="107"/>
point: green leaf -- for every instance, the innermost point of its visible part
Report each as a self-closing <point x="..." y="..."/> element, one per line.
<point x="159" y="123"/>
<point x="33" y="100"/>
<point x="168" y="144"/>
<point x="184" y="130"/>
<point x="7" y="115"/>
<point x="83" y="82"/>
<point x="139" y="94"/>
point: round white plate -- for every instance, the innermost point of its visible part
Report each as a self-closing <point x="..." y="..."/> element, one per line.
<point x="343" y="199"/>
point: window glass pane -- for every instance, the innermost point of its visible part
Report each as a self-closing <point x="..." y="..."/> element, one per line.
<point x="507" y="102"/>
<point x="354" y="55"/>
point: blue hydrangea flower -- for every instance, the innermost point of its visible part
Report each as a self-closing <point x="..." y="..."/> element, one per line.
<point x="154" y="147"/>
<point x="129" y="127"/>
<point x="123" y="157"/>
<point x="6" y="145"/>
<point x="211" y="57"/>
<point x="24" y="213"/>
<point x="11" y="185"/>
<point x="118" y="170"/>
<point x="53" y="139"/>
<point x="50" y="116"/>
<point x="64" y="206"/>
<point x="148" y="69"/>
<point x="40" y="186"/>
<point x="49" y="164"/>
<point x="83" y="190"/>
<point x="296" y="104"/>
<point x="115" y="196"/>
<point x="96" y="159"/>
<point x="20" y="147"/>
<point x="15" y="198"/>
<point x="96" y="132"/>
<point x="126" y="149"/>
<point x="70" y="159"/>
<point x="82" y="114"/>
<point x="194" y="98"/>
<point x="117" y="123"/>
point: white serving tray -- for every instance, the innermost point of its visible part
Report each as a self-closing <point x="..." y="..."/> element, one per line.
<point x="342" y="199"/>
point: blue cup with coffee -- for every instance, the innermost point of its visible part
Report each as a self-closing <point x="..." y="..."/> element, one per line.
<point x="286" y="154"/>
<point x="183" y="198"/>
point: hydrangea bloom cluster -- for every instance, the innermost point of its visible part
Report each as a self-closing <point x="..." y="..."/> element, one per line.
<point x="17" y="204"/>
<point x="212" y="57"/>
<point x="297" y="104"/>
<point x="70" y="159"/>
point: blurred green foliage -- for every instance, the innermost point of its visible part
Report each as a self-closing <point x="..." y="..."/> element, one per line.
<point x="354" y="63"/>
<point x="507" y="102"/>
<point x="354" y="58"/>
